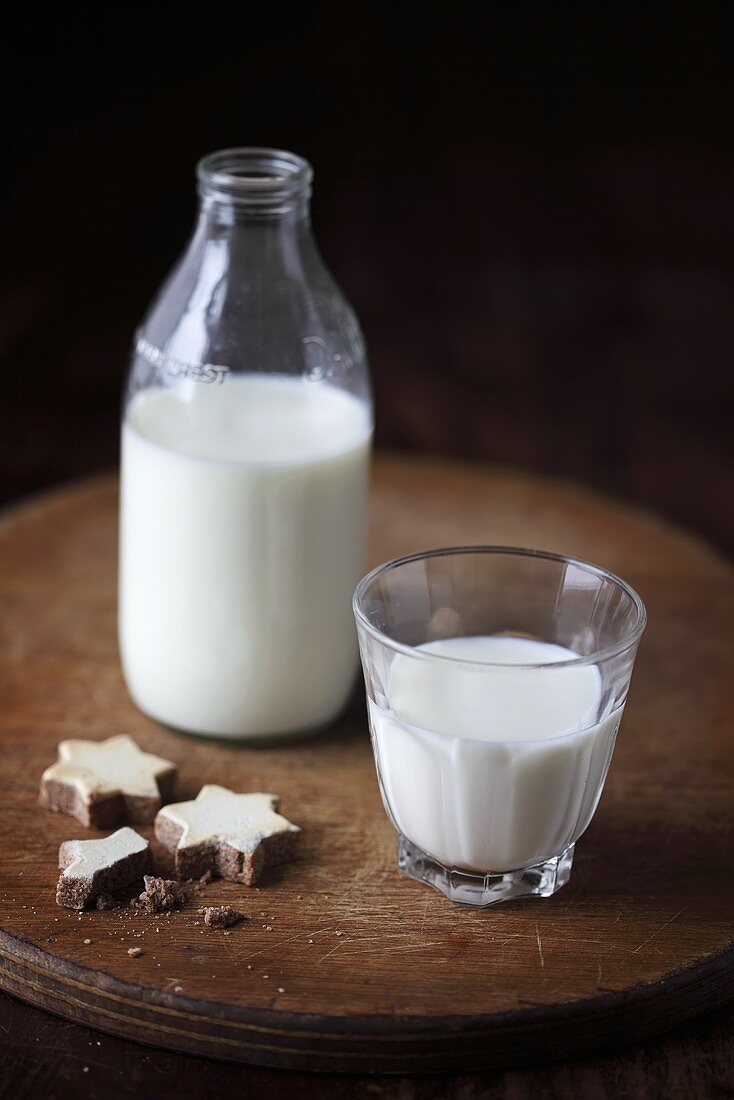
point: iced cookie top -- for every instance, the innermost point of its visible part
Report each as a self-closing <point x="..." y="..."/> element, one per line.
<point x="100" y="768"/>
<point x="219" y="815"/>
<point x="85" y="858"/>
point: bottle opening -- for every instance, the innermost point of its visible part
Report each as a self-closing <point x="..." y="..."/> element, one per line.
<point x="254" y="176"/>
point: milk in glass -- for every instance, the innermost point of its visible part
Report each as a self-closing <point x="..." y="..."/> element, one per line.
<point x="492" y="769"/>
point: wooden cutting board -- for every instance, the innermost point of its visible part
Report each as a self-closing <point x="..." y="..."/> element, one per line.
<point x="345" y="964"/>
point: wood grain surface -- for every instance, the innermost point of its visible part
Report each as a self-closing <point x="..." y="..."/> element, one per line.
<point x="345" y="964"/>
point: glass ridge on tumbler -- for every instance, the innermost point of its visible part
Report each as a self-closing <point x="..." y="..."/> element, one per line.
<point x="246" y="438"/>
<point x="496" y="681"/>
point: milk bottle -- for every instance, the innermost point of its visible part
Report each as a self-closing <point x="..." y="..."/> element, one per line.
<point x="245" y="450"/>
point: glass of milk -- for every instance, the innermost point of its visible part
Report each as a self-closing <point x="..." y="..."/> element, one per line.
<point x="246" y="437"/>
<point x="496" y="681"/>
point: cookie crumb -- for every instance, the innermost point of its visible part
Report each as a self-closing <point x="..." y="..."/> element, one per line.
<point x="87" y="941"/>
<point x="134" y="952"/>
<point x="221" y="916"/>
<point x="160" y="895"/>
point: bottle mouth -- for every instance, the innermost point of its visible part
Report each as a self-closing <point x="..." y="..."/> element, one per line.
<point x="255" y="176"/>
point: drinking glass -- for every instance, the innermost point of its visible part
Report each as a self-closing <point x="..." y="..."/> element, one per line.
<point x="496" y="680"/>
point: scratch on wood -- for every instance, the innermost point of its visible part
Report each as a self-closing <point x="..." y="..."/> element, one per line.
<point x="664" y="925"/>
<point x="400" y="949"/>
<point x="540" y="949"/>
<point x="334" y="948"/>
<point x="290" y="939"/>
<point x="425" y="913"/>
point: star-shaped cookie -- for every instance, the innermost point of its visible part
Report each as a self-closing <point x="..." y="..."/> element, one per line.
<point x="235" y="836"/>
<point x="92" y="867"/>
<point x="103" y="783"/>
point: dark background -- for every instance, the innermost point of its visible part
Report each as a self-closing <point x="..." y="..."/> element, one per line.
<point x="531" y="207"/>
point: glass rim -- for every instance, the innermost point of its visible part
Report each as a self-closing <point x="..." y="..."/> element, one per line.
<point x="631" y="638"/>
<point x="273" y="171"/>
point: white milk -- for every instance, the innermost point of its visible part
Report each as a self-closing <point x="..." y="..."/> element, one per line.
<point x="492" y="769"/>
<point x="241" y="541"/>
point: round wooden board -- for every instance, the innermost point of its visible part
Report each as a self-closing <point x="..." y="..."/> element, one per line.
<point x="346" y="964"/>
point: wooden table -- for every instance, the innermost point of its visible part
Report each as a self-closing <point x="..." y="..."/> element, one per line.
<point x="653" y="864"/>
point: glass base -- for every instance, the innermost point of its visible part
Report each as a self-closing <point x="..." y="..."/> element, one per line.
<point x="542" y="880"/>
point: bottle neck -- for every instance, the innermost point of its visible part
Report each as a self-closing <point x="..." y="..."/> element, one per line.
<point x="217" y="212"/>
<point x="255" y="185"/>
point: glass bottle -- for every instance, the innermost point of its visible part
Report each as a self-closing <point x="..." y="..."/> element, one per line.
<point x="246" y="437"/>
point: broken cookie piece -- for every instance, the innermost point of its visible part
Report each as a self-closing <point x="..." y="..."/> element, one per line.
<point x="93" y="867"/>
<point x="160" y="895"/>
<point x="102" y="783"/>
<point x="221" y="916"/>
<point x="235" y="836"/>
